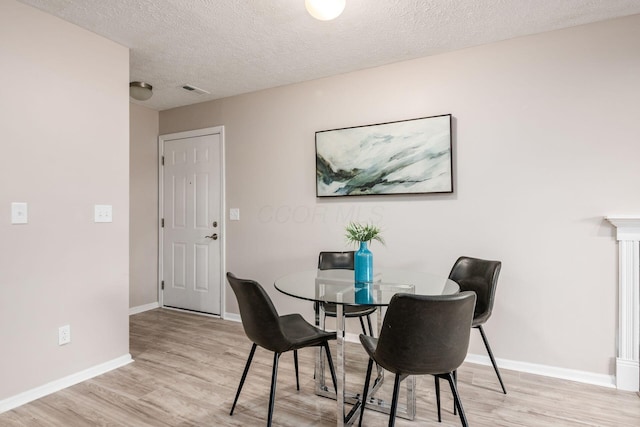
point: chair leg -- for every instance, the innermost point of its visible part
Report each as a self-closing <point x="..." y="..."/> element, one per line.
<point x="456" y="399"/>
<point x="493" y="361"/>
<point x="437" y="380"/>
<point x="331" y="368"/>
<point x="295" y="363"/>
<point x="316" y="311"/>
<point x="272" y="397"/>
<point x="394" y="401"/>
<point x="364" y="331"/>
<point x="244" y="376"/>
<point x="370" y="327"/>
<point x="366" y="389"/>
<point x="455" y="380"/>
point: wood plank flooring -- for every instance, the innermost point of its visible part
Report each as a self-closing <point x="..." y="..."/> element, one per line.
<point x="187" y="368"/>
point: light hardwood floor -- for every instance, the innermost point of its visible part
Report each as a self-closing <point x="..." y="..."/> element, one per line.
<point x="187" y="368"/>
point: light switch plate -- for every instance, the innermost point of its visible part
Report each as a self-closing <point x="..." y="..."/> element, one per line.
<point x="103" y="213"/>
<point x="234" y="214"/>
<point x="19" y="213"/>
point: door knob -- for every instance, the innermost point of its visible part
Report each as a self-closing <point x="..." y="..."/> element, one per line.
<point x="214" y="236"/>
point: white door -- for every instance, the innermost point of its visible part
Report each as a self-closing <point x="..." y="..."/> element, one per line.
<point x="191" y="210"/>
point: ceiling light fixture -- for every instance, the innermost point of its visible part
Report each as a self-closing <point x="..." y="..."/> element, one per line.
<point x="140" y="91"/>
<point x="325" y="10"/>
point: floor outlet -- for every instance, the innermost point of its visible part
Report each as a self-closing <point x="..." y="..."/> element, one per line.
<point x="64" y="335"/>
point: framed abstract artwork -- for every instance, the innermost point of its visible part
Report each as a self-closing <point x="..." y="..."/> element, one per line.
<point x="404" y="157"/>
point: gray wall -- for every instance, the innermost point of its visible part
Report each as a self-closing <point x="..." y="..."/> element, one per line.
<point x="143" y="199"/>
<point x="65" y="148"/>
<point x="546" y="144"/>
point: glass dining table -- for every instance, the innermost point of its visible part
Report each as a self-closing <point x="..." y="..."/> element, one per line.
<point x="338" y="286"/>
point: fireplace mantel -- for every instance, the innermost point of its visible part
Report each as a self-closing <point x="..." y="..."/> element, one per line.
<point x="628" y="360"/>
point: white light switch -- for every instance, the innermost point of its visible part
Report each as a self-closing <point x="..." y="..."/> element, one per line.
<point x="18" y="213"/>
<point x="103" y="213"/>
<point x="234" y="214"/>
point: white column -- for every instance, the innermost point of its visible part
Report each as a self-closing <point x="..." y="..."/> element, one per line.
<point x="628" y="357"/>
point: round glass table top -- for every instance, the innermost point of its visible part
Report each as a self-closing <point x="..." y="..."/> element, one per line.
<point x="338" y="286"/>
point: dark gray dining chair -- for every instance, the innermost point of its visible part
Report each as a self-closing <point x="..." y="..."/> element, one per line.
<point x="344" y="261"/>
<point x="421" y="335"/>
<point x="279" y="334"/>
<point x="481" y="277"/>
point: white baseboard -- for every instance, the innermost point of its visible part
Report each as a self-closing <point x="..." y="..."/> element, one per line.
<point x="233" y="317"/>
<point x="143" y="308"/>
<point x="547" y="371"/>
<point x="57" y="385"/>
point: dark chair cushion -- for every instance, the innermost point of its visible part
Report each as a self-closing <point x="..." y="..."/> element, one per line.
<point x="349" y="310"/>
<point x="480" y="276"/>
<point x="480" y="287"/>
<point x="301" y="334"/>
<point x="423" y="334"/>
<point x="265" y="327"/>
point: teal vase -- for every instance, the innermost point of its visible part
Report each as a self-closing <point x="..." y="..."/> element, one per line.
<point x="363" y="264"/>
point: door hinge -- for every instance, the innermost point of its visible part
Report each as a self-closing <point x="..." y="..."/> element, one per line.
<point x="162" y="285"/>
<point x="162" y="223"/>
<point x="162" y="160"/>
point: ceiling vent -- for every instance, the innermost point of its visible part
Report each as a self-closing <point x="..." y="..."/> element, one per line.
<point x="194" y="89"/>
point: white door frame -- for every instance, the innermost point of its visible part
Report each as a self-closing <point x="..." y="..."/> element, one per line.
<point x="223" y="225"/>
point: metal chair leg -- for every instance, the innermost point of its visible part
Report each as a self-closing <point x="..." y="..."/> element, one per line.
<point x="454" y="376"/>
<point x="455" y="380"/>
<point x="244" y="376"/>
<point x="331" y="368"/>
<point x="295" y="363"/>
<point x="456" y="398"/>
<point x="364" y="331"/>
<point x="366" y="390"/>
<point x="272" y="398"/>
<point x="437" y="380"/>
<point x="493" y="361"/>
<point x="394" y="401"/>
<point x="370" y="327"/>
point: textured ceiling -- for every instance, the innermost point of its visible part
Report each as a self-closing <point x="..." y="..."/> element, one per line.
<point x="229" y="47"/>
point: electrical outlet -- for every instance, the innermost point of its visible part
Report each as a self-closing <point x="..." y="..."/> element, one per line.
<point x="64" y="335"/>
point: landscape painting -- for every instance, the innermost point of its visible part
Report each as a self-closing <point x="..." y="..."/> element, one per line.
<point x="404" y="157"/>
